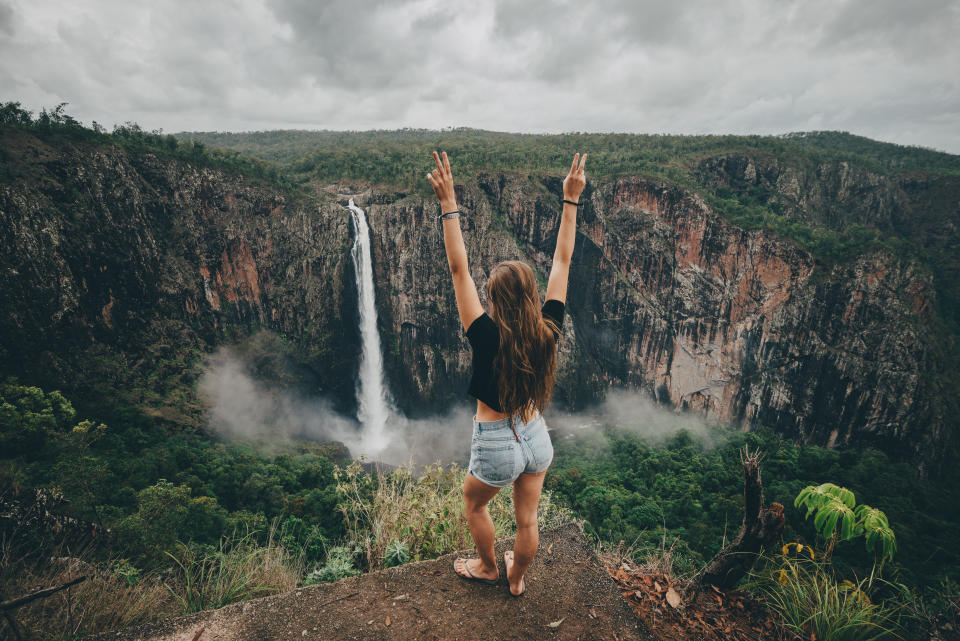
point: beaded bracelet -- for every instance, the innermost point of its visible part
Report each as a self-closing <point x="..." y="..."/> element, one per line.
<point x="450" y="214"/>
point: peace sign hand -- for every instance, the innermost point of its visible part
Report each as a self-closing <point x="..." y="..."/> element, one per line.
<point x="576" y="180"/>
<point x="441" y="179"/>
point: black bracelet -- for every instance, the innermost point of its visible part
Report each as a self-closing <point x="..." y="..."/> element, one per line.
<point x="571" y="202"/>
<point x="449" y="214"/>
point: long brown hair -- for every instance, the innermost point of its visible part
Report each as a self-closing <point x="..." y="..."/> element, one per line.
<point x="527" y="358"/>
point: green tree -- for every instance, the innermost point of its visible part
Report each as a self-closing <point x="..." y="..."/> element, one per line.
<point x="168" y="514"/>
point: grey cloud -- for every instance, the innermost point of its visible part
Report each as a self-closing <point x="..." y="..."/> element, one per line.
<point x="914" y="30"/>
<point x="6" y="18"/>
<point x="879" y="68"/>
<point x="367" y="44"/>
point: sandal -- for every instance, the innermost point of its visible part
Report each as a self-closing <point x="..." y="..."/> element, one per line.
<point x="469" y="575"/>
<point x="523" y="583"/>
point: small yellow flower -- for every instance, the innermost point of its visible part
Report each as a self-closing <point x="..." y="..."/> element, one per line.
<point x="782" y="577"/>
<point x="800" y="548"/>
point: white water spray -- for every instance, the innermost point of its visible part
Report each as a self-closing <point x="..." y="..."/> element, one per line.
<point x="373" y="407"/>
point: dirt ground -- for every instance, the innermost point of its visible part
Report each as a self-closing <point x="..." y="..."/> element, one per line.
<point x="671" y="614"/>
<point x="569" y="595"/>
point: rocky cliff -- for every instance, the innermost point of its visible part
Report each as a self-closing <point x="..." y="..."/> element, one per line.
<point x="667" y="296"/>
<point x="119" y="268"/>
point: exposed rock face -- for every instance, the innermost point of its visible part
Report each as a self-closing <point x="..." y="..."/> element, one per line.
<point x="120" y="265"/>
<point x="666" y="296"/>
<point x="117" y="265"/>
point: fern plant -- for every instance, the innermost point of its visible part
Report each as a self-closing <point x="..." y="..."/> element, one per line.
<point x="339" y="565"/>
<point x="837" y="517"/>
<point x="397" y="553"/>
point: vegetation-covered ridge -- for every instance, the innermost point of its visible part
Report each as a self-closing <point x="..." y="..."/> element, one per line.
<point x="912" y="212"/>
<point x="611" y="153"/>
<point x="56" y="125"/>
<point x="835" y="194"/>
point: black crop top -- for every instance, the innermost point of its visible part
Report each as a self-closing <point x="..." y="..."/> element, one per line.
<point x="484" y="337"/>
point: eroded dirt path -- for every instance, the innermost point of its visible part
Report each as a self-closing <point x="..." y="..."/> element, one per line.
<point x="566" y="583"/>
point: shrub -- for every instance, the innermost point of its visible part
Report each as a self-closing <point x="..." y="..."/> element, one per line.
<point x="110" y="598"/>
<point x="397" y="554"/>
<point x="339" y="565"/>
<point x="837" y="517"/>
<point x="237" y="570"/>
<point x="813" y="604"/>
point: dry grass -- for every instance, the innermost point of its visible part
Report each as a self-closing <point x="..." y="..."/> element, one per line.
<point x="105" y="601"/>
<point x="425" y="514"/>
<point x="658" y="561"/>
<point x="238" y="570"/>
<point x="115" y="596"/>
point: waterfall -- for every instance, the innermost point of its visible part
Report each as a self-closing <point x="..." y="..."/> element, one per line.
<point x="373" y="407"/>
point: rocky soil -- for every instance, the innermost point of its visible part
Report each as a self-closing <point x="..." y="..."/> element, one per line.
<point x="569" y="595"/>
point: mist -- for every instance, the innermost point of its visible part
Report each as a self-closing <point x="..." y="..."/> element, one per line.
<point x="241" y="407"/>
<point x="635" y="413"/>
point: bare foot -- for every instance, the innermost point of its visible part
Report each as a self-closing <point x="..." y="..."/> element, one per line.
<point x="515" y="590"/>
<point x="473" y="569"/>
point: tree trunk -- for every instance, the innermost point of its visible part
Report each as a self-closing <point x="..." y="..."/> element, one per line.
<point x="761" y="527"/>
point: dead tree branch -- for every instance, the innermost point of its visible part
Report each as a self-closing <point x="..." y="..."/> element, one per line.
<point x="38" y="594"/>
<point x="761" y="526"/>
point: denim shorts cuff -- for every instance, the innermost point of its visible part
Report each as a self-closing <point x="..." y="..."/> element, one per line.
<point x="485" y="481"/>
<point x="545" y="468"/>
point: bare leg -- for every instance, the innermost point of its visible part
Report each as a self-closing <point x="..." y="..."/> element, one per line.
<point x="476" y="495"/>
<point x="526" y="497"/>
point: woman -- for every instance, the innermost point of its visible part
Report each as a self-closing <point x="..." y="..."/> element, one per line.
<point x="514" y="361"/>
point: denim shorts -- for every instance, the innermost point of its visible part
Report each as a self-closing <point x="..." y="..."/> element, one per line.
<point x="497" y="458"/>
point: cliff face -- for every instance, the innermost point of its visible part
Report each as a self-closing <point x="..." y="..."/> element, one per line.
<point x="120" y="268"/>
<point x="666" y="296"/>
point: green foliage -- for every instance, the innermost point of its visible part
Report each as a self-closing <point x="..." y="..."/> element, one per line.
<point x="837" y="517"/>
<point x="238" y="569"/>
<point x="339" y="565"/>
<point x="57" y="125"/>
<point x="30" y="420"/>
<point x="155" y="489"/>
<point x="396" y="553"/>
<point x="307" y="540"/>
<point x="130" y="573"/>
<point x="167" y="514"/>
<point x="691" y="491"/>
<point x="876" y="531"/>
<point x="813" y="604"/>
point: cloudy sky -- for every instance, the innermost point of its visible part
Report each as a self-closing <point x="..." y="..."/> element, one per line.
<point x="888" y="69"/>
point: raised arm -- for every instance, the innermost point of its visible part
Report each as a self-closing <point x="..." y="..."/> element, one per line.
<point x="468" y="302"/>
<point x="573" y="186"/>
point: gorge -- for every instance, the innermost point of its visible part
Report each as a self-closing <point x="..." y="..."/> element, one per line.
<point x="123" y="265"/>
